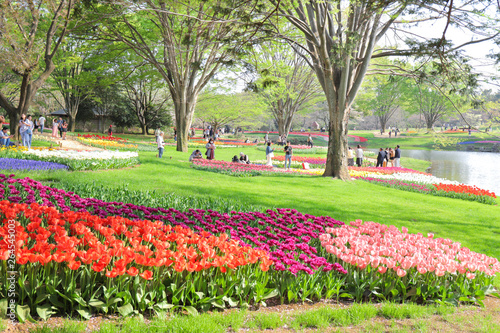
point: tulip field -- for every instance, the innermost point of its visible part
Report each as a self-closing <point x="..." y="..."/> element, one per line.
<point x="136" y="258"/>
<point x="84" y="244"/>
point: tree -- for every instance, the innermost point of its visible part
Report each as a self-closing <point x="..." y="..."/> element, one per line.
<point x="187" y="42"/>
<point x="147" y="98"/>
<point x="220" y="109"/>
<point x="30" y="30"/>
<point x="382" y="95"/>
<point x="340" y="38"/>
<point x="73" y="77"/>
<point x="286" y="82"/>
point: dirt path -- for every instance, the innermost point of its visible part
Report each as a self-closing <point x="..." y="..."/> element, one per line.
<point x="70" y="143"/>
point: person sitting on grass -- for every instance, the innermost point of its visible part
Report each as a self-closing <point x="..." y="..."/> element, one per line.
<point x="196" y="155"/>
<point x="244" y="158"/>
<point x="5" y="138"/>
<point x="235" y="159"/>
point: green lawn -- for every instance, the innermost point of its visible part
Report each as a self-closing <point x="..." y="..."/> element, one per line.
<point x="475" y="225"/>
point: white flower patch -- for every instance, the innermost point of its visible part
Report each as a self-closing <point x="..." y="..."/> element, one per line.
<point x="82" y="155"/>
<point x="417" y="178"/>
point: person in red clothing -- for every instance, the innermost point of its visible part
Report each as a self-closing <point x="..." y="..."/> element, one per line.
<point x="110" y="130"/>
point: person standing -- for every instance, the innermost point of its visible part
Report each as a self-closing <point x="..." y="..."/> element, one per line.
<point x="359" y="156"/>
<point x="350" y="157"/>
<point x="161" y="144"/>
<point x="397" y="157"/>
<point x="391" y="156"/>
<point x="41" y="123"/>
<point x="381" y="157"/>
<point x="288" y="155"/>
<point x="210" y="149"/>
<point x="266" y="137"/>
<point x="55" y="127"/>
<point x="110" y="130"/>
<point x="59" y="126"/>
<point x="24" y="126"/>
<point x="269" y="154"/>
<point x="64" y="129"/>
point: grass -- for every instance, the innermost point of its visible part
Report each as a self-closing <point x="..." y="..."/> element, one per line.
<point x="358" y="317"/>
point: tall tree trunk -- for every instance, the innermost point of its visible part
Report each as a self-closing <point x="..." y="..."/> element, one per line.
<point x="336" y="159"/>
<point x="281" y="125"/>
<point x="14" y="124"/>
<point x="183" y="117"/>
<point x="72" y="112"/>
<point x="143" y="129"/>
<point x="383" y="123"/>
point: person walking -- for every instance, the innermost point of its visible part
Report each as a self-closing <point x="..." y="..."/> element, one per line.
<point x="310" y="141"/>
<point x="161" y="144"/>
<point x="41" y="123"/>
<point x="359" y="156"/>
<point x="269" y="154"/>
<point x="288" y="155"/>
<point x="381" y="157"/>
<point x="397" y="157"/>
<point x="210" y="149"/>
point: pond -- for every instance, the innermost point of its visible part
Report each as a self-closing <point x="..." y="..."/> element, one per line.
<point x="471" y="168"/>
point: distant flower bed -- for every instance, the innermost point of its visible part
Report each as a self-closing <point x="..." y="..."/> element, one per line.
<point x="105" y="143"/>
<point x="18" y="164"/>
<point x="102" y="137"/>
<point x="415" y="181"/>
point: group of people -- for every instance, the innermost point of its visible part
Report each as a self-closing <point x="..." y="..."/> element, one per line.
<point x="389" y="155"/>
<point x="59" y="126"/>
<point x="359" y="156"/>
<point x="242" y="159"/>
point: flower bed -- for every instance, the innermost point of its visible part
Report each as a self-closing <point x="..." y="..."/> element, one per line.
<point x="201" y="259"/>
<point x="105" y="143"/>
<point x="77" y="261"/>
<point x="76" y="160"/>
<point x="102" y="137"/>
<point x="415" y="181"/>
<point x="17" y="164"/>
<point x="466" y="189"/>
<point x="246" y="170"/>
<point x="261" y="230"/>
<point x="410" y="266"/>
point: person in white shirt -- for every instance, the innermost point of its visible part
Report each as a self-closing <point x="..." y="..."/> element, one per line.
<point x="41" y="123"/>
<point x="359" y="156"/>
<point x="161" y="145"/>
<point x="350" y="157"/>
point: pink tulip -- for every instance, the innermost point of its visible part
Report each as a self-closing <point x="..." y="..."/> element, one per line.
<point x="382" y="269"/>
<point x="401" y="272"/>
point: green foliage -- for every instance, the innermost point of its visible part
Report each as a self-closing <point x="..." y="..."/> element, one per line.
<point x="156" y="199"/>
<point x="237" y="109"/>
